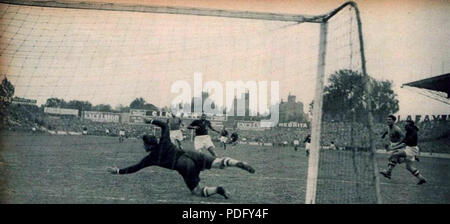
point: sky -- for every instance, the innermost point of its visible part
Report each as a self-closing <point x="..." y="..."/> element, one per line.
<point x="114" y="57"/>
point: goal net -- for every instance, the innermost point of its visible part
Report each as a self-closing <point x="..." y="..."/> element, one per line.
<point x="98" y="69"/>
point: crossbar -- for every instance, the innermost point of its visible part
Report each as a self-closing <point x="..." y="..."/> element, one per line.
<point x="171" y="10"/>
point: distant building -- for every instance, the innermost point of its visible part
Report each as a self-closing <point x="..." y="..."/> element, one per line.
<point x="201" y="99"/>
<point x="243" y="100"/>
<point x="291" y="110"/>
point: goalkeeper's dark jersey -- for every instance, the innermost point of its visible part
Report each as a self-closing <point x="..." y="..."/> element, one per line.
<point x="165" y="154"/>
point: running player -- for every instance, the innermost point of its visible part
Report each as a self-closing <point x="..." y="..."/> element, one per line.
<point x="234" y="137"/>
<point x="393" y="131"/>
<point x="307" y="142"/>
<point x="176" y="136"/>
<point x="406" y="151"/>
<point x="202" y="139"/>
<point x="224" y="138"/>
<point x="188" y="164"/>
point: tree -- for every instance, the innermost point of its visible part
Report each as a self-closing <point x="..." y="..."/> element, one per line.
<point x="55" y="102"/>
<point x="344" y="97"/>
<point x="121" y="108"/>
<point x="6" y="92"/>
<point x="103" y="108"/>
<point x="384" y="100"/>
<point x="149" y="106"/>
<point x="137" y="103"/>
<point x="79" y="105"/>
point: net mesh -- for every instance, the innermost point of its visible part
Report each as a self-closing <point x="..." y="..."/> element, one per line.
<point x="111" y="58"/>
<point x="346" y="170"/>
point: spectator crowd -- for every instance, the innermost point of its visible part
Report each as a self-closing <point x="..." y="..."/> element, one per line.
<point x="434" y="136"/>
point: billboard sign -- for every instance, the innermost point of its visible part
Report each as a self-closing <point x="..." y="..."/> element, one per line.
<point x="60" y="111"/>
<point x="98" y="116"/>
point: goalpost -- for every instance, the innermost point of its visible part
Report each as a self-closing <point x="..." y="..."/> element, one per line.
<point x="317" y="113"/>
<point x="259" y="50"/>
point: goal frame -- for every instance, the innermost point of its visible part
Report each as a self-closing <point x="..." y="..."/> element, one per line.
<point x="313" y="162"/>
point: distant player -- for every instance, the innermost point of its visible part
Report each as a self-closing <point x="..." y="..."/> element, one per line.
<point x="85" y="132"/>
<point x="405" y="151"/>
<point x="202" y="139"/>
<point x="188" y="164"/>
<point x="296" y="144"/>
<point x="224" y="138"/>
<point x="307" y="142"/>
<point x="121" y="135"/>
<point x="234" y="138"/>
<point x="393" y="131"/>
<point x="176" y="136"/>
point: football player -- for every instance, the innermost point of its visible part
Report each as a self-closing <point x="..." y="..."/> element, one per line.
<point x="202" y="139"/>
<point x="188" y="164"/>
<point x="406" y="151"/>
<point x="224" y="138"/>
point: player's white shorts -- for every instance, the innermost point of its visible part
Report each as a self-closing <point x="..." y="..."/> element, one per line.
<point x="296" y="143"/>
<point x="308" y="146"/>
<point x="203" y="141"/>
<point x="223" y="139"/>
<point x="121" y="133"/>
<point x="411" y="152"/>
<point x="176" y="135"/>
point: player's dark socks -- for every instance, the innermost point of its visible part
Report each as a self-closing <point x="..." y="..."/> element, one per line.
<point x="223" y="192"/>
<point x="246" y="167"/>
<point x="417" y="174"/>
<point x="391" y="166"/>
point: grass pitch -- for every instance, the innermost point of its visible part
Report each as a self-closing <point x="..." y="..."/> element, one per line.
<point x="40" y="168"/>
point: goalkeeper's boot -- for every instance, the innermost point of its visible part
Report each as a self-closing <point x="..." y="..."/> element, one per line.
<point x="386" y="174"/>
<point x="246" y="167"/>
<point x="223" y="192"/>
